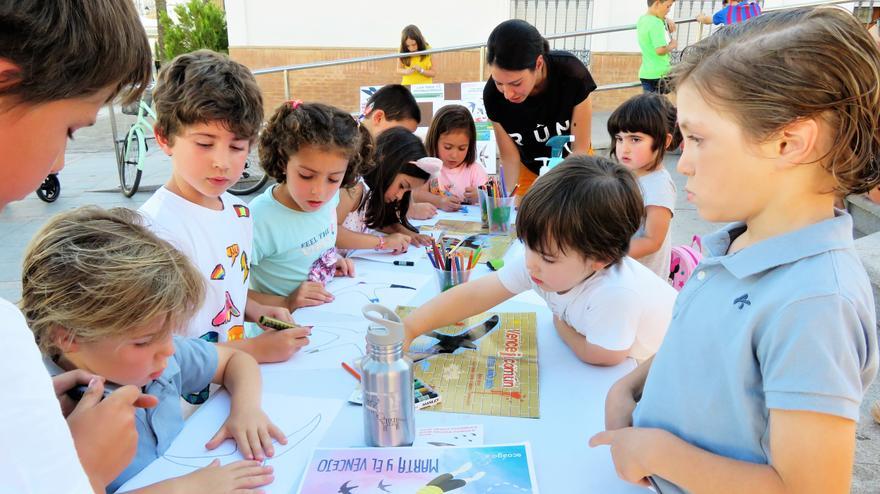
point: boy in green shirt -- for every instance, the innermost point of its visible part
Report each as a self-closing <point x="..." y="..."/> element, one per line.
<point x="651" y="30"/>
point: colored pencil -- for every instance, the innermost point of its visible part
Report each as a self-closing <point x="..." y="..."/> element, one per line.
<point x="351" y="371"/>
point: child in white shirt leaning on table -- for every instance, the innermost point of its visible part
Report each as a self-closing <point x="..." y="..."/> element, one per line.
<point x="576" y="223"/>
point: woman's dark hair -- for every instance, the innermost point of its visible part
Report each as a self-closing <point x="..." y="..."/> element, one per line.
<point x="397" y="103"/>
<point x="411" y="32"/>
<point x="647" y="113"/>
<point x="586" y="204"/>
<point x="449" y="119"/>
<point x="395" y="148"/>
<point x="515" y="45"/>
<point x="296" y="125"/>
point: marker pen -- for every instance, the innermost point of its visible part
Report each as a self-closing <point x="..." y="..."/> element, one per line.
<point x="404" y="263"/>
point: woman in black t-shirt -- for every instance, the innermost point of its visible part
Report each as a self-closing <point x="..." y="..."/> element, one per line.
<point x="532" y="95"/>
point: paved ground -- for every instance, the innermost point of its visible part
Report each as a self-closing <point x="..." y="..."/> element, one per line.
<point x="90" y="177"/>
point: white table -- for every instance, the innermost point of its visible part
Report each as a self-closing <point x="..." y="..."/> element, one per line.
<point x="572" y="396"/>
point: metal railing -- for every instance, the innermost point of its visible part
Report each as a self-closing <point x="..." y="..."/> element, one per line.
<point x="286" y="69"/>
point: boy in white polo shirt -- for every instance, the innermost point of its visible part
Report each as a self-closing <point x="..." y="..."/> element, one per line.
<point x="576" y="223"/>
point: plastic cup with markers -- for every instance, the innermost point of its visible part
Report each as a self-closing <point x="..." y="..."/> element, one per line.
<point x="451" y="278"/>
<point x="484" y="215"/>
<point x="452" y="265"/>
<point x="500" y="212"/>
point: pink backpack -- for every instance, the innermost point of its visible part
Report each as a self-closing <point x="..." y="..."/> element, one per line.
<point x="684" y="260"/>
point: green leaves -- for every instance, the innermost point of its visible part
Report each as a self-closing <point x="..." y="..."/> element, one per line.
<point x="200" y="24"/>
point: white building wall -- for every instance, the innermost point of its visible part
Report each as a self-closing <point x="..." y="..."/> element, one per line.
<point x="359" y="24"/>
<point x="377" y="24"/>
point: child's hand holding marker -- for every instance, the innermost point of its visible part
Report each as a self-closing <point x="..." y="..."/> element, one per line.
<point x="450" y="202"/>
<point x="281" y="339"/>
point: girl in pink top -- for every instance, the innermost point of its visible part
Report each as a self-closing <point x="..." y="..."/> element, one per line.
<point x="453" y="138"/>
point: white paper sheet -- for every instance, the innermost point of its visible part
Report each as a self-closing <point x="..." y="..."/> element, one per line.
<point x="335" y="338"/>
<point x="472" y="91"/>
<point x="452" y="435"/>
<point x="371" y="286"/>
<point x="303" y="420"/>
<point x="413" y="254"/>
<point x="428" y="92"/>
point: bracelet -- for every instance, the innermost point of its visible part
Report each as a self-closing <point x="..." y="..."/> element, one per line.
<point x="381" y="245"/>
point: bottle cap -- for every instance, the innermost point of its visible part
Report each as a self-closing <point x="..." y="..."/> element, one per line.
<point x="388" y="328"/>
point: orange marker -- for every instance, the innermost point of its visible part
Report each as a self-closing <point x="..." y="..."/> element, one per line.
<point x="351" y="371"/>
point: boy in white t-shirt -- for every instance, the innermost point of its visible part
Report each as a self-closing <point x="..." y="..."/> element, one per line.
<point x="576" y="223"/>
<point x="209" y="110"/>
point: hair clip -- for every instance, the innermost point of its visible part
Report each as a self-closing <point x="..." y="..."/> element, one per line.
<point x="294" y="103"/>
<point x="367" y="110"/>
<point x="429" y="165"/>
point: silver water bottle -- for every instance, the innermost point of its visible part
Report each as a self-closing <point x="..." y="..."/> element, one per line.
<point x="387" y="378"/>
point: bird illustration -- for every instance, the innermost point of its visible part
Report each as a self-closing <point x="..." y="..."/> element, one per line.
<point x="346" y="489"/>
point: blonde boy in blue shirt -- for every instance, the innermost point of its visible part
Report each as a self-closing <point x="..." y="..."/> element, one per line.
<point x="773" y="340"/>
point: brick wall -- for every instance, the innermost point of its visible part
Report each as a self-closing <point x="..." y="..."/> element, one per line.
<point x="610" y="68"/>
<point x="339" y="85"/>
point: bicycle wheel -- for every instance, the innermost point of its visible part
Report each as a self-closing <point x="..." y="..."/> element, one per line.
<point x="252" y="177"/>
<point x="129" y="173"/>
<point x="50" y="189"/>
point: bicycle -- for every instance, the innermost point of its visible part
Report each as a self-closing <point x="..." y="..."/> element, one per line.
<point x="134" y="147"/>
<point x="252" y="177"/>
<point x="134" y="150"/>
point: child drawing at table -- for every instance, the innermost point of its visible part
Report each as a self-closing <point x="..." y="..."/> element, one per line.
<point x="576" y="223"/>
<point x="104" y="294"/>
<point x="380" y="202"/>
<point x="640" y="131"/>
<point x="208" y="113"/>
<point x="312" y="150"/>
<point x="758" y="384"/>
<point x="391" y="106"/>
<point x="453" y="139"/>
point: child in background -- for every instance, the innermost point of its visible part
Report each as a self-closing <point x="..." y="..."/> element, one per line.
<point x="453" y="138"/>
<point x="758" y="383"/>
<point x="60" y="62"/>
<point x="380" y="203"/>
<point x="640" y="133"/>
<point x="104" y="294"/>
<point x="575" y="222"/>
<point x="394" y="106"/>
<point x="732" y="12"/>
<point x="311" y="149"/>
<point x="415" y="70"/>
<point x="391" y="106"/>
<point x="651" y="30"/>
<point x="209" y="110"/>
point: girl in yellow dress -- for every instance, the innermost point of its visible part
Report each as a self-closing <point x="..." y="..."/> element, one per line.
<point x="415" y="70"/>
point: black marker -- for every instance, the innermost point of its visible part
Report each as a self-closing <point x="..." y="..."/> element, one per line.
<point x="76" y="393"/>
<point x="404" y="263"/>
